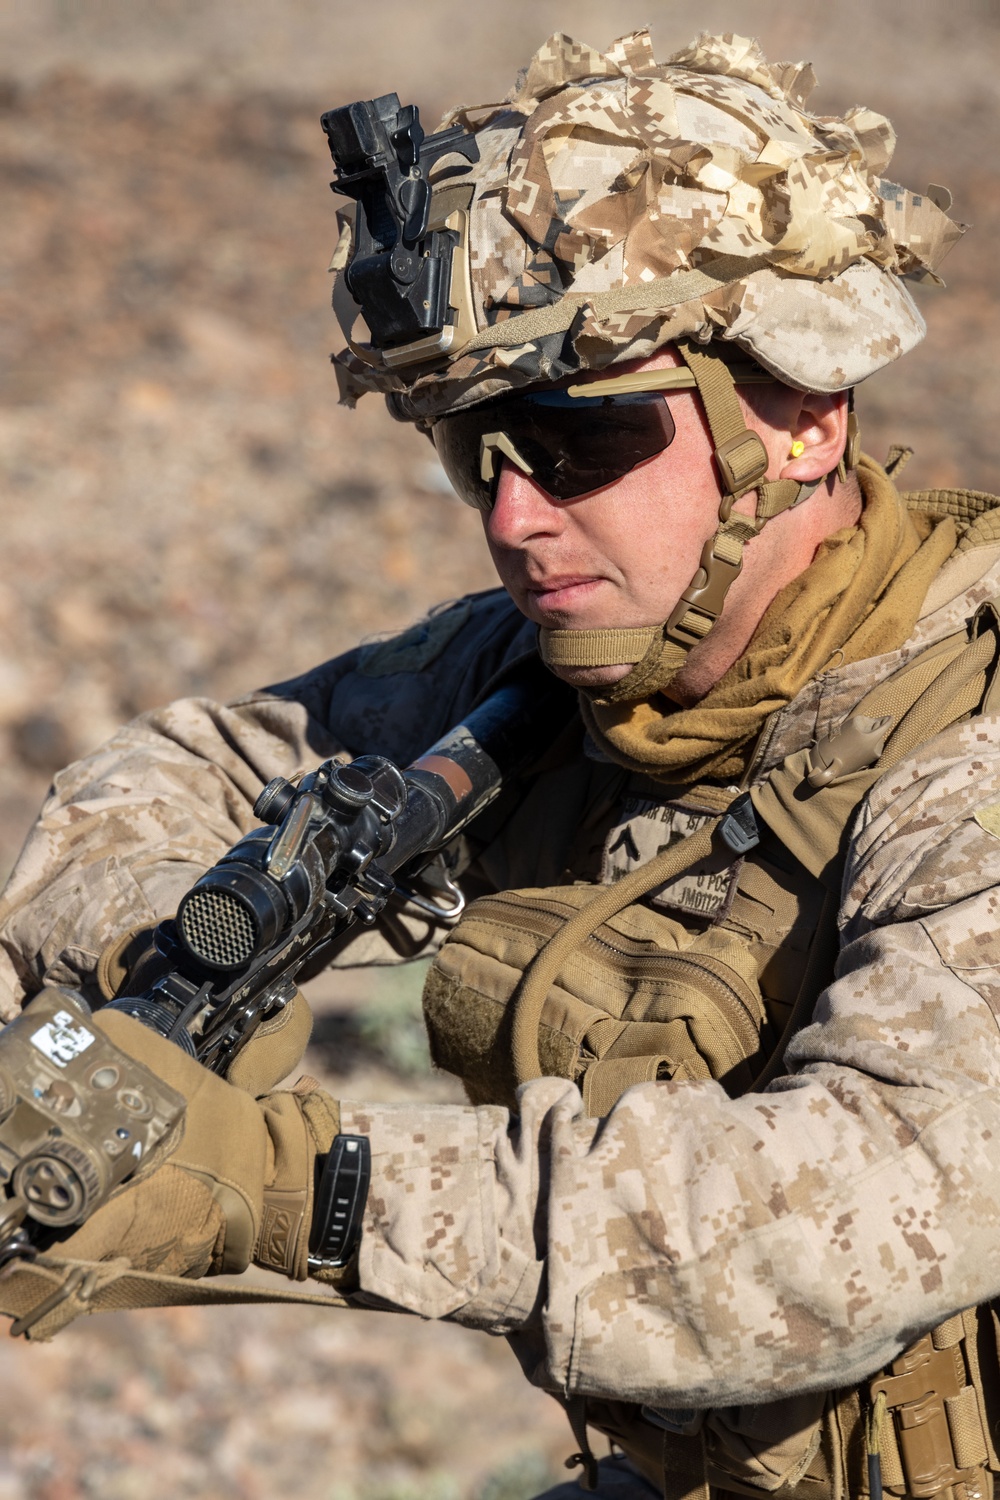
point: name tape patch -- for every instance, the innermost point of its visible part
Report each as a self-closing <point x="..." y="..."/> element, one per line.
<point x="642" y="830"/>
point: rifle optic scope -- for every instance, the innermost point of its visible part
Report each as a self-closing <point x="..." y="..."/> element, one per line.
<point x="337" y="820"/>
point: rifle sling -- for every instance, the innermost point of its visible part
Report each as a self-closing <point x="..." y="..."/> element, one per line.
<point x="45" y="1294"/>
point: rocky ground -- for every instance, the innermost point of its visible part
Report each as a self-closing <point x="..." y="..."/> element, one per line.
<point x="186" y="510"/>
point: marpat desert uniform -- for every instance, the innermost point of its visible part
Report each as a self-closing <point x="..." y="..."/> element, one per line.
<point x="706" y="1270"/>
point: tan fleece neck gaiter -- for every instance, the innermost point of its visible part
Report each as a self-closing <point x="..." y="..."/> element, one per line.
<point x="859" y="597"/>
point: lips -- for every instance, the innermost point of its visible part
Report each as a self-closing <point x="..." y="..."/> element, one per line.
<point x="562" y="592"/>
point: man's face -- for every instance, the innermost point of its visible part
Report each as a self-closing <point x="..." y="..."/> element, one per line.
<point x="623" y="555"/>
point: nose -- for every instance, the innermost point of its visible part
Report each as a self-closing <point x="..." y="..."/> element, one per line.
<point x="521" y="510"/>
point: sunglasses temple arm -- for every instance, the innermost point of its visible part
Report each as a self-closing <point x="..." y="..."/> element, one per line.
<point x="490" y="445"/>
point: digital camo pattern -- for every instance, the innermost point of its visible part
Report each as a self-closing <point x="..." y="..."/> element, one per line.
<point x="704" y="1251"/>
<point x="610" y="170"/>
<point x="691" y="1249"/>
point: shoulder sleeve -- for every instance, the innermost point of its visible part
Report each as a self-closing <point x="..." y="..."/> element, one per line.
<point x="127" y="830"/>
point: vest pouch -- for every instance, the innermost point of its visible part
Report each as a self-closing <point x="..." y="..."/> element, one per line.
<point x="780" y="1450"/>
<point x="774" y="1448"/>
<point x="639" y="999"/>
<point x="942" y="1399"/>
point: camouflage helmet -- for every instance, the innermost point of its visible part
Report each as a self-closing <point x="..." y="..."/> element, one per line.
<point x="619" y="204"/>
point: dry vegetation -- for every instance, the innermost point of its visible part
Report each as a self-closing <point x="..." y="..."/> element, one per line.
<point x="186" y="510"/>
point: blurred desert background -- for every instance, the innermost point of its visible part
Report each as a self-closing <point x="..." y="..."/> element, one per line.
<point x="185" y="510"/>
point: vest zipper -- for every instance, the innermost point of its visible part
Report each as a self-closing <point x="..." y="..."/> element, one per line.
<point x="736" y="1010"/>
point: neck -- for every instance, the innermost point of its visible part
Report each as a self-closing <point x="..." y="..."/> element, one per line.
<point x="784" y="549"/>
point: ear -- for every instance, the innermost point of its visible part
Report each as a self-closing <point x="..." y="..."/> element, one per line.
<point x="819" y="422"/>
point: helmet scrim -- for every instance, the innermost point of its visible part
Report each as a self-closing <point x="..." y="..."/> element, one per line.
<point x="619" y="204"/>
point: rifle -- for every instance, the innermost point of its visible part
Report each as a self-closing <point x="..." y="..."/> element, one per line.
<point x="77" y="1115"/>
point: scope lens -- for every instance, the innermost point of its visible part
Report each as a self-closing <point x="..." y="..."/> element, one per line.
<point x="231" y="915"/>
<point x="218" y="929"/>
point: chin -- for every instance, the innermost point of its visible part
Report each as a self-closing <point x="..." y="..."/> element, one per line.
<point x="591" y="677"/>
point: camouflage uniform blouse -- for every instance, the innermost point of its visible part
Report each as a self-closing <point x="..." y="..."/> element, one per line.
<point x="690" y="1249"/>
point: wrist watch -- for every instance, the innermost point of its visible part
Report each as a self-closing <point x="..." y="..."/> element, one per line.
<point x="340" y="1203"/>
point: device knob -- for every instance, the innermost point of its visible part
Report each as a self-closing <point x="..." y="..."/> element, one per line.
<point x="275" y="800"/>
<point x="349" y="788"/>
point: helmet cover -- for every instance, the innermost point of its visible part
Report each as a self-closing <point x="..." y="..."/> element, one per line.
<point x="619" y="204"/>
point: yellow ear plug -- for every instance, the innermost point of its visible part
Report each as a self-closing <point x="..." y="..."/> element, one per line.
<point x="797" y="449"/>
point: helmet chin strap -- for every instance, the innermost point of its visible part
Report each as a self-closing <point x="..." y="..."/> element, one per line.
<point x="656" y="653"/>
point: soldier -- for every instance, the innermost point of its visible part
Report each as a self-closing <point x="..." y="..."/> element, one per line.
<point x="726" y="1011"/>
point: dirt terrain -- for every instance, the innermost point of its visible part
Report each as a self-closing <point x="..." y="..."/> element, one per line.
<point x="187" y="511"/>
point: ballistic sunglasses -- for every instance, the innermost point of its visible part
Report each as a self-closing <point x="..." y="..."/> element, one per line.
<point x="571" y="441"/>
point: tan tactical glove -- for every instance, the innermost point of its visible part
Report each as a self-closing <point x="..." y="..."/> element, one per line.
<point x="131" y="964"/>
<point x="238" y="1187"/>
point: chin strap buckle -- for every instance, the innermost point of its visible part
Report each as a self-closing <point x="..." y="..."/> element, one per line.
<point x="701" y="603"/>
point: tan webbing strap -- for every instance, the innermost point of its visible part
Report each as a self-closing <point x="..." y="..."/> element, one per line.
<point x="897" y="694"/>
<point x="983" y="1375"/>
<point x="953" y="692"/>
<point x="777" y="495"/>
<point x="742" y="462"/>
<point x="604" y="1082"/>
<point x="812" y="828"/>
<point x="597" y="648"/>
<point x="717" y="389"/>
<point x="43" y="1295"/>
<point x="739" y="453"/>
<point x="660" y="664"/>
<point x="665" y="291"/>
<point x="731" y="540"/>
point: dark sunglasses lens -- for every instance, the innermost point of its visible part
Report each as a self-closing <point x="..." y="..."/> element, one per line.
<point x="572" y="445"/>
<point x="458" y="442"/>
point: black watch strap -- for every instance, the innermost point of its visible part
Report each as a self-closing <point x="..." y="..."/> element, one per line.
<point x="340" y="1202"/>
